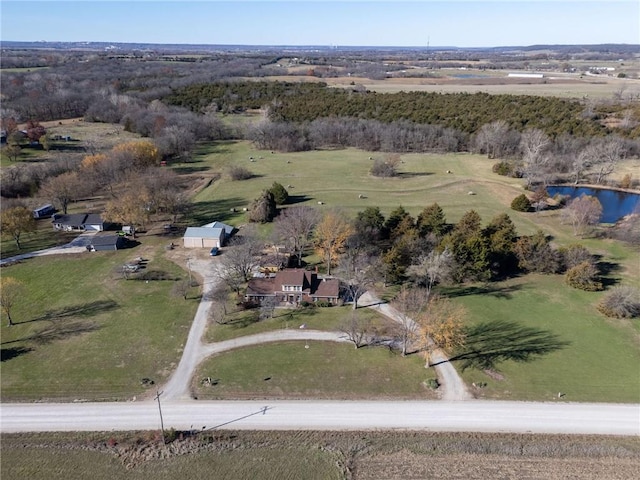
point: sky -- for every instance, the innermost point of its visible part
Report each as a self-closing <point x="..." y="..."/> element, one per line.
<point x="416" y="23"/>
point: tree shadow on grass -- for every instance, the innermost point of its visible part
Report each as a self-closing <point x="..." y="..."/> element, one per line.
<point x="81" y="310"/>
<point x="220" y="210"/>
<point x="13" y="352"/>
<point x="490" y="343"/>
<point x="58" y="330"/>
<point x="293" y="199"/>
<point x="607" y="269"/>
<point x="492" y="290"/>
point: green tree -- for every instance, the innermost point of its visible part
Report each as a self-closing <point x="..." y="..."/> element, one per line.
<point x="521" y="203"/>
<point x="263" y="209"/>
<point x="432" y="220"/>
<point x="279" y="193"/>
<point x="501" y="235"/>
<point x="15" y="221"/>
<point x="12" y="151"/>
<point x="535" y="254"/>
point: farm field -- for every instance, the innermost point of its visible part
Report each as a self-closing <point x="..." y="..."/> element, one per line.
<point x="318" y="455"/>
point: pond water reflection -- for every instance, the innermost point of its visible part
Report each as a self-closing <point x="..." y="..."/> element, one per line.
<point x="615" y="204"/>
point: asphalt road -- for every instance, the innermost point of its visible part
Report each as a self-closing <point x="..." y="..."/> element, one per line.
<point x="474" y="415"/>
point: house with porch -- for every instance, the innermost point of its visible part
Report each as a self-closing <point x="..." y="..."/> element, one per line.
<point x="74" y="222"/>
<point x="293" y="286"/>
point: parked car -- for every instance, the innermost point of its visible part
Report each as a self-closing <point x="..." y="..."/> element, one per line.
<point x="214" y="251"/>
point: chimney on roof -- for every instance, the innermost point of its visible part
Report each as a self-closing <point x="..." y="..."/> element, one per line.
<point x="316" y="269"/>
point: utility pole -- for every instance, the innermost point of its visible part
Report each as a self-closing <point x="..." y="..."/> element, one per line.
<point x="158" y="393"/>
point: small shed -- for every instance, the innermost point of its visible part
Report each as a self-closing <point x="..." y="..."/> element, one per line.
<point x="106" y="242"/>
<point x="44" y="211"/>
<point x="208" y="236"/>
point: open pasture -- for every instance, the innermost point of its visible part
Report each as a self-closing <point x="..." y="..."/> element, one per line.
<point x="341" y="179"/>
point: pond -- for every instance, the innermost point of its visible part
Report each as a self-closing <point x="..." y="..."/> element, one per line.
<point x="615" y="204"/>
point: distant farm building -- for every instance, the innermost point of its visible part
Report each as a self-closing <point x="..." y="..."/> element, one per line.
<point x="526" y="75"/>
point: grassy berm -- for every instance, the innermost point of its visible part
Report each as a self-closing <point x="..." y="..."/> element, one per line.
<point x="317" y="455"/>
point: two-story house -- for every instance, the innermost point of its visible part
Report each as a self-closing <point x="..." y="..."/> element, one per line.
<point x="293" y="286"/>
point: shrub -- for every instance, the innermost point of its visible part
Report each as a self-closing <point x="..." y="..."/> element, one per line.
<point x="521" y="203"/>
<point x="584" y="277"/>
<point x="385" y="168"/>
<point x="626" y="181"/>
<point x="324" y="303"/>
<point x="239" y="173"/>
<point x="503" y="168"/>
<point x="621" y="302"/>
<point x="574" y="255"/>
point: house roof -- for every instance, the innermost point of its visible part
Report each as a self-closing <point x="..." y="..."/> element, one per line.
<point x="93" y="219"/>
<point x="309" y="281"/>
<point x="261" y="286"/>
<point x="204" y="232"/>
<point x="327" y="287"/>
<point x="105" y="240"/>
<point x="228" y="229"/>
<point x="77" y="219"/>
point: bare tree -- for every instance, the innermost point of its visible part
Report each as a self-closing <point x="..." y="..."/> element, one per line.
<point x="582" y="212"/>
<point x="268" y="306"/>
<point x="603" y="156"/>
<point x="241" y="257"/>
<point x="496" y="139"/>
<point x="11" y="290"/>
<point x="355" y="329"/>
<point x="535" y="156"/>
<point x="64" y="189"/>
<point x="432" y="269"/>
<point x="410" y="303"/>
<point x="294" y="226"/>
<point x="355" y="270"/>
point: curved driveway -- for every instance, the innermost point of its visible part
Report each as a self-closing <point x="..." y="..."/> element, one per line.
<point x="181" y="412"/>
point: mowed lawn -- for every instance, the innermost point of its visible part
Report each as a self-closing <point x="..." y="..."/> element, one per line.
<point x="313" y="370"/>
<point x="84" y="332"/>
<point x="601" y="362"/>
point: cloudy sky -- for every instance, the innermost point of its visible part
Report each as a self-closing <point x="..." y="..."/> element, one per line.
<point x="462" y="23"/>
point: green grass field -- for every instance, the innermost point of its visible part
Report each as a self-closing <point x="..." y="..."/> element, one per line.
<point x="323" y="370"/>
<point x="247" y="322"/>
<point x="600" y="363"/>
<point x="84" y="332"/>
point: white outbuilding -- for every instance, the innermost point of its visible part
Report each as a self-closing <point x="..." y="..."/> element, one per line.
<point x="211" y="235"/>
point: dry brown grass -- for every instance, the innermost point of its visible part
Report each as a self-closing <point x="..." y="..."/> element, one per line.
<point x="290" y="454"/>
